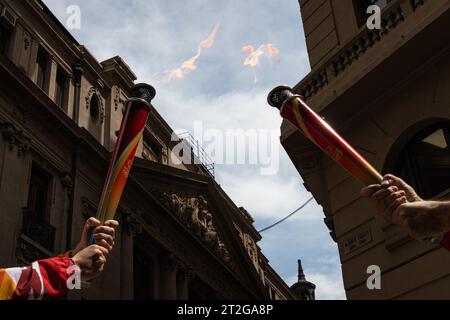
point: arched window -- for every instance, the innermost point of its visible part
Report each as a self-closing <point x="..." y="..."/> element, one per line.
<point x="94" y="108"/>
<point x="425" y="161"/>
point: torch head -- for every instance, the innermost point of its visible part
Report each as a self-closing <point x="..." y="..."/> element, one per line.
<point x="278" y="96"/>
<point x="143" y="91"/>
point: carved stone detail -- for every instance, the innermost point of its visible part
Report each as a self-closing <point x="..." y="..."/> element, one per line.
<point x="15" y="137"/>
<point x="119" y="99"/>
<point x="91" y="92"/>
<point x="193" y="212"/>
<point x="252" y="249"/>
<point x="67" y="182"/>
<point x="131" y="222"/>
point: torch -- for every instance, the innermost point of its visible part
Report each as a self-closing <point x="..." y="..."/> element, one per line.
<point x="323" y="135"/>
<point x="137" y="111"/>
<point x="329" y="141"/>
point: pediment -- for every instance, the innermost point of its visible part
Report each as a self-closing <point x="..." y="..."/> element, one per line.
<point x="195" y="202"/>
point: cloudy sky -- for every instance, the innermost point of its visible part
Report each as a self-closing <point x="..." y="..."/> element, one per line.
<point x="220" y="95"/>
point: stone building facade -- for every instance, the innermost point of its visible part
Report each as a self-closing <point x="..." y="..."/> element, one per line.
<point x="388" y="93"/>
<point x="181" y="236"/>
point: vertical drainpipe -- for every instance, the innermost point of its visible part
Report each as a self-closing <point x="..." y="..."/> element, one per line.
<point x="77" y="74"/>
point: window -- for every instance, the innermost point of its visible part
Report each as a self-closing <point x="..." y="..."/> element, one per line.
<point x="4" y="38"/>
<point x="42" y="61"/>
<point x="94" y="108"/>
<point x="36" y="217"/>
<point x="38" y="196"/>
<point x="60" y="93"/>
<point x="361" y="9"/>
<point x="425" y="161"/>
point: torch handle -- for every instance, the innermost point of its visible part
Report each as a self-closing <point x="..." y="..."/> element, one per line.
<point x="328" y="140"/>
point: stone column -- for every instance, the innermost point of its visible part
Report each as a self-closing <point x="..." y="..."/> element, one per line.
<point x="130" y="229"/>
<point x="50" y="79"/>
<point x="168" y="276"/>
<point x="183" y="277"/>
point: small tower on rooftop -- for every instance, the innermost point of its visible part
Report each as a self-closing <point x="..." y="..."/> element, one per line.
<point x="303" y="289"/>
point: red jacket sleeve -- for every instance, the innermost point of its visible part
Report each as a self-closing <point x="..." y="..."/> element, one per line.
<point x="43" y="280"/>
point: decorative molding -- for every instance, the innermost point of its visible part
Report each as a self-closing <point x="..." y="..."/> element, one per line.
<point x="389" y="22"/>
<point x="194" y="214"/>
<point x="15" y="137"/>
<point x="67" y="182"/>
<point x="354" y="50"/>
<point x="119" y="99"/>
<point x="131" y="222"/>
<point x="93" y="90"/>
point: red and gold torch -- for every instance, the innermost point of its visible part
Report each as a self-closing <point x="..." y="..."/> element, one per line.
<point x="323" y="135"/>
<point x="329" y="141"/>
<point x="137" y="111"/>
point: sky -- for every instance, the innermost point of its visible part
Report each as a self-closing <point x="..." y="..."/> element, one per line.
<point x="221" y="98"/>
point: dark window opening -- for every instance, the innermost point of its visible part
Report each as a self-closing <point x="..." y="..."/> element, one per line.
<point x="361" y="6"/>
<point x="36" y="217"/>
<point x="425" y="161"/>
<point x="143" y="275"/>
<point x="4" y="38"/>
<point x="95" y="108"/>
<point x="39" y="193"/>
<point x="42" y="61"/>
<point x="60" y="93"/>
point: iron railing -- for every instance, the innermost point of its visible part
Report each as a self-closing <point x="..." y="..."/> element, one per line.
<point x="200" y="155"/>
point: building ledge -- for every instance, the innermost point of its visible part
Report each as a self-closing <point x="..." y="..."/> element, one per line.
<point x="358" y="75"/>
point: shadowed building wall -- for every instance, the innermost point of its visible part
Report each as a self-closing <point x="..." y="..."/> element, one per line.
<point x="387" y="92"/>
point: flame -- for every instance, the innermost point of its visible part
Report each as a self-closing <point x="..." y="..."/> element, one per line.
<point x="190" y="64"/>
<point x="253" y="58"/>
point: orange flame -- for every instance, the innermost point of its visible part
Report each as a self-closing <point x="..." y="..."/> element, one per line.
<point x="254" y="56"/>
<point x="189" y="65"/>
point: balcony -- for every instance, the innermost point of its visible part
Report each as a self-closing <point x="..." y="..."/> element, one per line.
<point x="38" y="230"/>
<point x="374" y="61"/>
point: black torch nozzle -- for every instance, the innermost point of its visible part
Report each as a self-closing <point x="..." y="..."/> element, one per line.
<point x="143" y="91"/>
<point x="279" y="95"/>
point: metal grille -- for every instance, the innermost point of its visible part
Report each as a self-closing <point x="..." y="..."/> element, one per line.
<point x="278" y="96"/>
<point x="144" y="91"/>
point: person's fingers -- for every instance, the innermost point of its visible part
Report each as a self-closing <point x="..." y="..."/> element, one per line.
<point x="99" y="251"/>
<point x="105" y="230"/>
<point x="393" y="211"/>
<point x="383" y="193"/>
<point x="92" y="222"/>
<point x="387" y="201"/>
<point x="106" y="237"/>
<point x="370" y="190"/>
<point x="112" y="224"/>
<point x="104" y="244"/>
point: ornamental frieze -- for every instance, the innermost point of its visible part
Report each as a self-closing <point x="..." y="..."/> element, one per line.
<point x="194" y="214"/>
